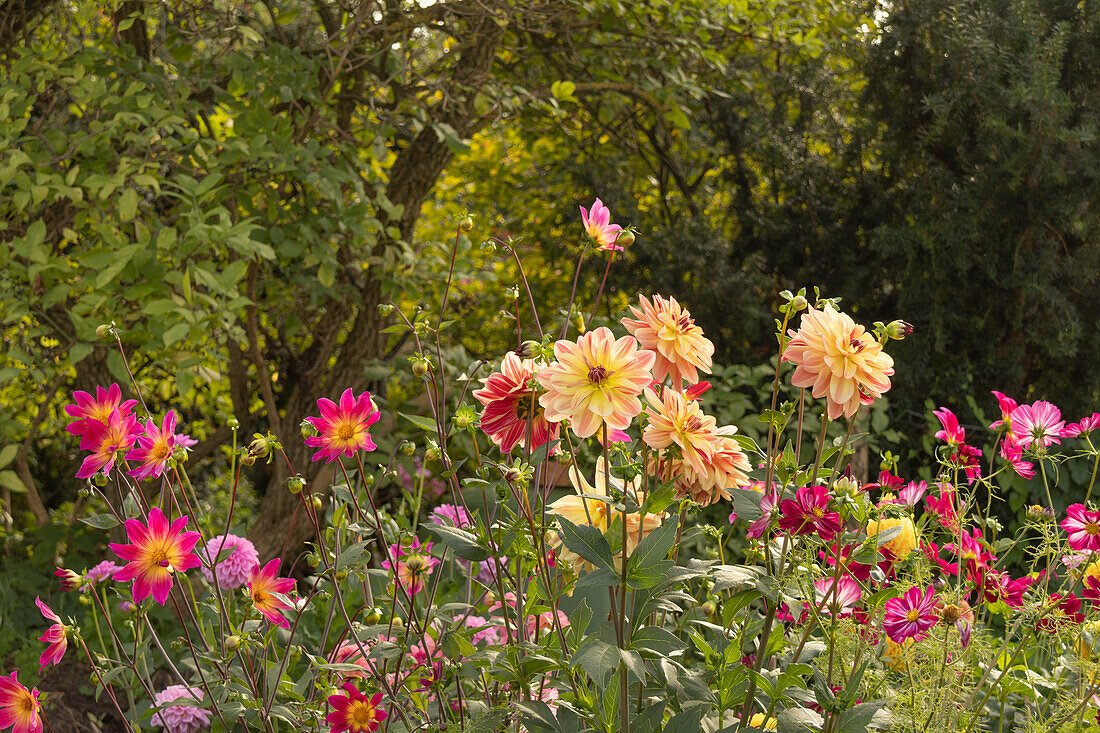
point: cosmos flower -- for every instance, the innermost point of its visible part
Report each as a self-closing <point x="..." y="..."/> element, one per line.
<point x="1038" y="425"/>
<point x="155" y="447"/>
<point x="354" y="712"/>
<point x="838" y="360"/>
<point x="837" y="596"/>
<point x="179" y="718"/>
<point x="1083" y="528"/>
<point x="238" y="558"/>
<point x="511" y="402"/>
<point x="154" y="554"/>
<point x="596" y="381"/>
<point x="343" y="427"/>
<point x="911" y="615"/>
<point x="19" y="707"/>
<point x="597" y="222"/>
<point x="667" y="329"/>
<point x="54" y="636"/>
<point x="265" y="582"/>
<point x="952" y="433"/>
<point x="807" y="513"/>
<point x="1013" y="454"/>
<point x="1084" y="427"/>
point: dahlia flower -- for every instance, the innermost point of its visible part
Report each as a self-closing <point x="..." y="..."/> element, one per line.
<point x="911" y="615"/>
<point x="154" y="554"/>
<point x="456" y="516"/>
<point x="675" y="421"/>
<point x="839" y="360"/>
<point x="1083" y="528"/>
<point x="343" y="427"/>
<point x="262" y="585"/>
<point x="54" y="636"/>
<point x="102" y="571"/>
<point x="667" y="329"/>
<point x="596" y="381"/>
<point x="89" y="410"/>
<point x="238" y="558"/>
<point x="1038" y="425"/>
<point x="807" y="513"/>
<point x="901" y="545"/>
<point x="597" y="222"/>
<point x="106" y="441"/>
<point x="179" y="718"/>
<point x="414" y="564"/>
<point x="19" y="707"/>
<point x="354" y="712"/>
<point x="155" y="447"/>
<point x="511" y="404"/>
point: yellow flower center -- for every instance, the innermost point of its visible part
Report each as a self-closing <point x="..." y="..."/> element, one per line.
<point x="160" y="451"/>
<point x="818" y="512"/>
<point x="159" y="557"/>
<point x="260" y="597"/>
<point x="361" y="713"/>
<point x="913" y="615"/>
<point x="26" y="705"/>
<point x="346" y="431"/>
<point x="1092" y="528"/>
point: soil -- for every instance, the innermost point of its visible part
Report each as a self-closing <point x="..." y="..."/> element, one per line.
<point x="66" y="706"/>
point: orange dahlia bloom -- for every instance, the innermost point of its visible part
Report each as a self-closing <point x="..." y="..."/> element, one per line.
<point x="673" y="420"/>
<point x="727" y="468"/>
<point x="838" y="360"/>
<point x="600" y="514"/>
<point x="668" y="330"/>
<point x="596" y="381"/>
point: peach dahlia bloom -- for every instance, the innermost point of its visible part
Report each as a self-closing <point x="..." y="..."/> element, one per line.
<point x="726" y="468"/>
<point x="666" y="328"/>
<point x="595" y="381"/>
<point x="838" y="360"/>
<point x="673" y="420"/>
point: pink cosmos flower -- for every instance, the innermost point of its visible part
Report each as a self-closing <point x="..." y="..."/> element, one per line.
<point x="912" y="493"/>
<point x="1038" y="425"/>
<point x="1084" y="427"/>
<point x="107" y="441"/>
<point x="911" y="615"/>
<point x="19" y="707"/>
<point x="769" y="506"/>
<point x="1013" y="454"/>
<point x="952" y="432"/>
<point x="354" y="712"/>
<point x="596" y="381"/>
<point x="511" y="400"/>
<point x="98" y="409"/>
<point x="857" y="570"/>
<point x="54" y="636"/>
<point x="1066" y="611"/>
<point x="262" y="584"/>
<point x="996" y="585"/>
<point x="154" y="554"/>
<point x="1007" y="405"/>
<point x="180" y="718"/>
<point x="238" y="558"/>
<point x="343" y="427"/>
<point x="1083" y="528"/>
<point x="837" y="596"/>
<point x="807" y="513"/>
<point x="597" y="223"/>
<point x="155" y="447"/>
<point x="943" y="507"/>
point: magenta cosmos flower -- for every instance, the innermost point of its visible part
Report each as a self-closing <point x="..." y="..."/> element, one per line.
<point x="179" y="718"/>
<point x="911" y="615"/>
<point x="155" y="447"/>
<point x="807" y="513"/>
<point x="1007" y="405"/>
<point x="19" y="707"/>
<point x="262" y="586"/>
<point x="837" y="596"/>
<point x="155" y="553"/>
<point x="597" y="223"/>
<point x="596" y="381"/>
<point x="237" y="559"/>
<point x="1083" y="528"/>
<point x="952" y="433"/>
<point x="1084" y="427"/>
<point x="343" y="427"/>
<point x="354" y="712"/>
<point x="54" y="636"/>
<point x="512" y="407"/>
<point x="1038" y="425"/>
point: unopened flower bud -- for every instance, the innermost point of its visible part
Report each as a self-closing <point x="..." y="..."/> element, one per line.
<point x="102" y="331"/>
<point x="898" y="330"/>
<point x="295" y="484"/>
<point x="798" y="303"/>
<point x="625" y="238"/>
<point x="248" y="459"/>
<point x="939" y="583"/>
<point x="466" y="224"/>
<point x="846" y="486"/>
<point x="416" y="564"/>
<point x="84" y="600"/>
<point x="420" y="367"/>
<point x="312" y="560"/>
<point x="341" y="575"/>
<point x="316" y="503"/>
<point x="433" y="454"/>
<point x="709" y="608"/>
<point x="408" y="448"/>
<point x="1040" y="513"/>
<point x="232" y="643"/>
<point x="529" y="349"/>
<point x="577" y="321"/>
<point x="398" y="622"/>
<point x="100" y="479"/>
<point x="513" y="475"/>
<point x="374" y="616"/>
<point x="233" y="423"/>
<point x="260" y="446"/>
<point x="385" y="310"/>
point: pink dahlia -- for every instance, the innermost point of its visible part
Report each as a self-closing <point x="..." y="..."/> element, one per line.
<point x="19" y="707"/>
<point x="89" y="410"/>
<point x="511" y="400"/>
<point x="343" y="427"/>
<point x="155" y="447"/>
<point x="1038" y="425"/>
<point x="155" y="553"/>
<point x="354" y="712"/>
<point x="1083" y="528"/>
<point x="597" y="222"/>
<point x="414" y="564"/>
<point x="180" y="718"/>
<point x="807" y="513"/>
<point x="54" y="636"/>
<point x="911" y="615"/>
<point x="102" y="571"/>
<point x="265" y="586"/>
<point x="237" y="558"/>
<point x="107" y="441"/>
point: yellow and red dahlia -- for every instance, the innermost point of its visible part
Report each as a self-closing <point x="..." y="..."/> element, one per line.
<point x="673" y="420"/>
<point x="343" y="427"/>
<point x="154" y="554"/>
<point x="262" y="587"/>
<point x="596" y="381"/>
<point x="838" y="360"/>
<point x="511" y="404"/>
<point x="19" y="707"/>
<point x="354" y="712"/>
<point x="667" y="329"/>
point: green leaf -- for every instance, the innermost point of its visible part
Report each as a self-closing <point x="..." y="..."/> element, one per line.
<point x="746" y="504"/>
<point x="863" y="717"/>
<point x="424" y="423"/>
<point x="588" y="542"/>
<point x="127" y="205"/>
<point x="79" y="352"/>
<point x="799" y="720"/>
<point x="100" y="521"/>
<point x="463" y="543"/>
<point x="175" y="333"/>
<point x="649" y="562"/>
<point x="10" y="480"/>
<point x="7" y="454"/>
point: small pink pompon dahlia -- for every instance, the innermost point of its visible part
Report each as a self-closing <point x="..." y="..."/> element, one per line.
<point x="666" y="328"/>
<point x="233" y="558"/>
<point x="838" y="360"/>
<point x="511" y="402"/>
<point x="597" y="222"/>
<point x="19" y="707"/>
<point x="180" y="718"/>
<point x="54" y="636"/>
<point x="343" y="427"/>
<point x="265" y="582"/>
<point x="354" y="712"/>
<point x="155" y="553"/>
<point x="596" y="381"/>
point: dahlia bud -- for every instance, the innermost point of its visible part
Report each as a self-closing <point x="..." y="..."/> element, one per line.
<point x="70" y="579"/>
<point x="433" y="454"/>
<point x="513" y="475"/>
<point x="709" y="608"/>
<point x="316" y="503"/>
<point x="233" y="423"/>
<point x="261" y="445"/>
<point x="797" y="304"/>
<point x="232" y="643"/>
<point x="465" y="417"/>
<point x="898" y="330"/>
<point x="416" y="564"/>
<point x="408" y="448"/>
<point x="420" y="367"/>
<point x="307" y="429"/>
<point x="939" y="583"/>
<point x="385" y="310"/>
<point x="466" y="224"/>
<point x="248" y="459"/>
<point x="102" y="331"/>
<point x="577" y="321"/>
<point x="341" y="575"/>
<point x="625" y="239"/>
<point x="374" y="616"/>
<point x="100" y="479"/>
<point x="295" y="484"/>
